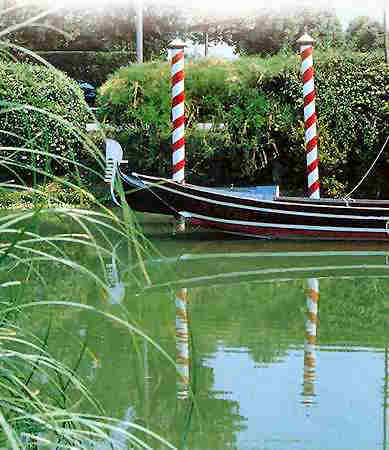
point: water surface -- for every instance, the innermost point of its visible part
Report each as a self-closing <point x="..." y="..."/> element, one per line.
<point x="285" y="346"/>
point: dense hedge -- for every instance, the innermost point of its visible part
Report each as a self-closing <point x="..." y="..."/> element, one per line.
<point x="259" y="101"/>
<point x="34" y="103"/>
<point x="93" y="67"/>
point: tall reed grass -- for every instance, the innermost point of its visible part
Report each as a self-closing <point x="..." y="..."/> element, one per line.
<point x="41" y="240"/>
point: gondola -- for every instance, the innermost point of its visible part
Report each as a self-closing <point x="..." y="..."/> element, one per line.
<point x="259" y="212"/>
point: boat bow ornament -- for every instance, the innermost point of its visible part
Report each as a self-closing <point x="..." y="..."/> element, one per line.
<point x="113" y="156"/>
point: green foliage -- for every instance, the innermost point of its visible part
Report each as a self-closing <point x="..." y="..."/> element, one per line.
<point x="363" y="314"/>
<point x="40" y="108"/>
<point x="50" y="195"/>
<point x="364" y="34"/>
<point x="106" y="27"/>
<point x="260" y="103"/>
<point x="93" y="67"/>
<point x="352" y="118"/>
<point x="131" y="101"/>
<point x="137" y="100"/>
<point x="112" y="27"/>
<point x="266" y="33"/>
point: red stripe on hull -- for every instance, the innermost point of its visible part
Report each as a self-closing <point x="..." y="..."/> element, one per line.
<point x="283" y="233"/>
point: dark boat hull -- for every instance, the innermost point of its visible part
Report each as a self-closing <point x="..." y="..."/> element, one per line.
<point x="240" y="212"/>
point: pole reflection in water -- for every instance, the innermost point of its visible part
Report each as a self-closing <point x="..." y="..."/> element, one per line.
<point x="182" y="343"/>
<point x="147" y="377"/>
<point x="116" y="290"/>
<point x="310" y="341"/>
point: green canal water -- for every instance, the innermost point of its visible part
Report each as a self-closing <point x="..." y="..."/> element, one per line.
<point x="287" y="344"/>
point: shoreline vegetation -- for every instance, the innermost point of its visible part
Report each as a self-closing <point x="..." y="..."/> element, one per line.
<point x="257" y="99"/>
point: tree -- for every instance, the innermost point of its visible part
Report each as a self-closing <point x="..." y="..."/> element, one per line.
<point x="161" y="24"/>
<point x="276" y="31"/>
<point x="365" y="34"/>
<point x="103" y="27"/>
<point x="267" y="32"/>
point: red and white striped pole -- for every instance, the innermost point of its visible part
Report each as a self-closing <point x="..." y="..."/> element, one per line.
<point x="178" y="111"/>
<point x="309" y="95"/>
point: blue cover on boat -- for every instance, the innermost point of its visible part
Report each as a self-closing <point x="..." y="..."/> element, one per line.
<point x="259" y="192"/>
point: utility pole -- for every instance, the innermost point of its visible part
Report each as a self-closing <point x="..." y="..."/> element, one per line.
<point x="139" y="31"/>
<point x="386" y="44"/>
<point x="205" y="43"/>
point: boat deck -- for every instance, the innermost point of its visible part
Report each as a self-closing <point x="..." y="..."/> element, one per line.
<point x="334" y="201"/>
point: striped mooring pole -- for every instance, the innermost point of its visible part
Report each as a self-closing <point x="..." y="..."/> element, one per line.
<point x="182" y="344"/>
<point x="309" y="95"/>
<point x="310" y="341"/>
<point x="178" y="111"/>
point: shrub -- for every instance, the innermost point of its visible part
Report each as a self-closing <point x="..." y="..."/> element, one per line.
<point x="137" y="100"/>
<point x="54" y="109"/>
<point x="352" y="120"/>
<point x="260" y="102"/>
<point x="93" y="67"/>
